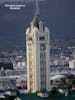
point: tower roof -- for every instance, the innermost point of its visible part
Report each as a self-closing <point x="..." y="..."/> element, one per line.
<point x="36" y="21"/>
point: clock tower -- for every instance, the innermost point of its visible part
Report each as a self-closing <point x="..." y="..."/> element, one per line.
<point x="38" y="57"/>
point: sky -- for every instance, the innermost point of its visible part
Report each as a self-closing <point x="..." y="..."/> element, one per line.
<point x="10" y="0"/>
<point x="58" y="15"/>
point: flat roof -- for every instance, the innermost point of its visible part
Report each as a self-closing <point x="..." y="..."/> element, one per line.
<point x="56" y="77"/>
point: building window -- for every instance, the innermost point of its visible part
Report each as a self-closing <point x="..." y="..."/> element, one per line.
<point x="30" y="76"/>
<point x="41" y="38"/>
<point x="51" y="82"/>
<point x="30" y="39"/>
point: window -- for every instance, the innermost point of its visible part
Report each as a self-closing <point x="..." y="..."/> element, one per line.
<point x="30" y="39"/>
<point x="51" y="82"/>
<point x="41" y="38"/>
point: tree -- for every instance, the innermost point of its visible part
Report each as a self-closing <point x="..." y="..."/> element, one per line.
<point x="54" y="92"/>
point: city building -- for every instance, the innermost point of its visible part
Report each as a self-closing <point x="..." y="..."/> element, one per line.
<point x="7" y="83"/>
<point x="38" y="57"/>
<point x="56" y="79"/>
<point x="60" y="62"/>
<point x="15" y="72"/>
<point x="72" y="64"/>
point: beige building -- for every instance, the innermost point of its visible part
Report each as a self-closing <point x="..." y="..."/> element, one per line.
<point x="38" y="57"/>
<point x="72" y="64"/>
<point x="60" y="62"/>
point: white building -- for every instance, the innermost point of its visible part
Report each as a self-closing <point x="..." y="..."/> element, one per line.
<point x="56" y="79"/>
<point x="72" y="64"/>
<point x="38" y="56"/>
<point x="60" y="62"/>
<point x="20" y="65"/>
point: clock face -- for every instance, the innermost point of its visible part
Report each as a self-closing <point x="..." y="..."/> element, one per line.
<point x="42" y="47"/>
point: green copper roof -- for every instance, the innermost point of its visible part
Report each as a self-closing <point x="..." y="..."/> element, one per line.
<point x="37" y="14"/>
<point x="36" y="21"/>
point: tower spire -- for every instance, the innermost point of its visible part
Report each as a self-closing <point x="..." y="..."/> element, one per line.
<point x="37" y="8"/>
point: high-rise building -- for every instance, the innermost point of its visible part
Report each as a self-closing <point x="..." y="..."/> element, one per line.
<point x="38" y="56"/>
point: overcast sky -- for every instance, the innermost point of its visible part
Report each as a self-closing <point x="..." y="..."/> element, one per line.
<point x="10" y="0"/>
<point x="58" y="15"/>
<point x="16" y="0"/>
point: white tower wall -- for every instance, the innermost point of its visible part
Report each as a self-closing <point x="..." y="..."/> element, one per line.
<point x="38" y="57"/>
